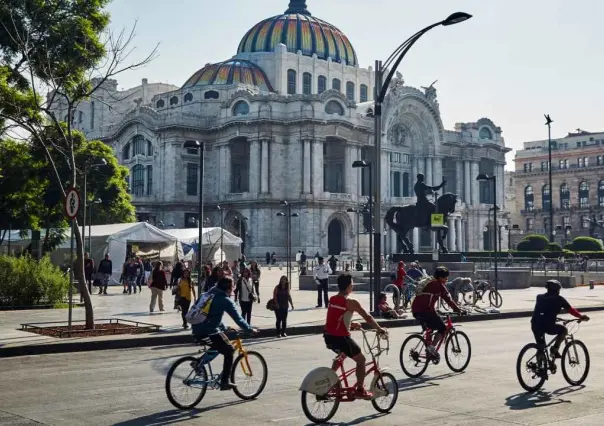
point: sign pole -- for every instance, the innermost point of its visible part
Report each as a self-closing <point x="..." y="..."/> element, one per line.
<point x="72" y="206"/>
<point x="70" y="314"/>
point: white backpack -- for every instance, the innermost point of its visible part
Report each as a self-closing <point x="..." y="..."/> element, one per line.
<point x="200" y="311"/>
<point x="422" y="283"/>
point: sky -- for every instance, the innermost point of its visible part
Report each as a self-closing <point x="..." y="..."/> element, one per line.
<point x="512" y="62"/>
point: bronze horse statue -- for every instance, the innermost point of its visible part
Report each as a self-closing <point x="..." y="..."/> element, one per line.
<point x="402" y="219"/>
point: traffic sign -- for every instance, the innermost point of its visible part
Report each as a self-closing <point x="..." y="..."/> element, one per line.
<point x="437" y="219"/>
<point x="72" y="203"/>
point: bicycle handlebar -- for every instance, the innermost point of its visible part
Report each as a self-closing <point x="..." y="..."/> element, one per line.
<point x="565" y="321"/>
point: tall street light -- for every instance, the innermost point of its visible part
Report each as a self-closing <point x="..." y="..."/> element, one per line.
<point x="88" y="166"/>
<point x="363" y="164"/>
<point x="97" y="201"/>
<point x="288" y="244"/>
<point x="482" y="177"/>
<point x="199" y="146"/>
<point x="381" y="87"/>
<point x="548" y="123"/>
<point x="221" y="232"/>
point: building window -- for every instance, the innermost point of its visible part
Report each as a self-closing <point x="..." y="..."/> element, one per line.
<point x="565" y="222"/>
<point x="334" y="107"/>
<point x="149" y="180"/>
<point x="583" y="195"/>
<point x="138" y="180"/>
<point x="321" y="84"/>
<point x="564" y="196"/>
<point x="585" y="222"/>
<point x="544" y="166"/>
<point x="406" y="186"/>
<point x="529" y="223"/>
<point x="160" y="103"/>
<point x="395" y="184"/>
<point x="192" y="170"/>
<point x="191" y="220"/>
<point x="92" y="115"/>
<point x="149" y="149"/>
<point x="211" y="94"/>
<point x="546" y="225"/>
<point x="291" y="82"/>
<point x="336" y="84"/>
<point x="600" y="160"/>
<point x="241" y="108"/>
<point x="528" y="167"/>
<point x="395" y="157"/>
<point x="363" y="97"/>
<point x="601" y="193"/>
<point x="138" y="145"/>
<point x="582" y="162"/>
<point x="174" y="100"/>
<point x="350" y="91"/>
<point x="126" y="152"/>
<point x="306" y="83"/>
<point x="406" y="159"/>
<point x="80" y="117"/>
<point x="529" y="198"/>
<point x="485" y="133"/>
<point x="563" y="164"/>
<point x="188" y="97"/>
<point x="546" y="197"/>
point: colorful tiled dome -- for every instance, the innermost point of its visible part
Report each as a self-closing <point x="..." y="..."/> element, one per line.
<point x="299" y="31"/>
<point x="231" y="72"/>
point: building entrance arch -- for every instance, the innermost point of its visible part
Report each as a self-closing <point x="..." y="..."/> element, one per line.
<point x="335" y="237"/>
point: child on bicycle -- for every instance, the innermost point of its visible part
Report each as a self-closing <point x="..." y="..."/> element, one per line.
<point x="423" y="307"/>
<point x="547" y="308"/>
<point x="338" y="325"/>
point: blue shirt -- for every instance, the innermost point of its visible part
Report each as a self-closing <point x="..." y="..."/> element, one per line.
<point x="213" y="323"/>
<point x="414" y="273"/>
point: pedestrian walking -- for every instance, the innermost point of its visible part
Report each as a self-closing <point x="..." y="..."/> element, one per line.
<point x="212" y="280"/>
<point x="106" y="269"/>
<point x="159" y="283"/>
<point x="321" y="274"/>
<point x="244" y="293"/>
<point x="176" y="273"/>
<point x="283" y="299"/>
<point x="255" y="270"/>
<point x="88" y="270"/>
<point x="130" y="271"/>
<point x="185" y="294"/>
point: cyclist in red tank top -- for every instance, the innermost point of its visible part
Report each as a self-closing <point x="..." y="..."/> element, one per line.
<point x="338" y="325"/>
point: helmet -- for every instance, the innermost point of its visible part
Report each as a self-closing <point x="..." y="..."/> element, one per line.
<point x="441" y="272"/>
<point x="553" y="286"/>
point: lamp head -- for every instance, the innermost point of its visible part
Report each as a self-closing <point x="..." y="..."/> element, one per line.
<point x="548" y="120"/>
<point x="360" y="163"/>
<point x="483" y="177"/>
<point x="295" y="214"/>
<point x="456" y="18"/>
<point x="351" y="210"/>
<point x="192" y="145"/>
<point x="283" y="203"/>
<point x="280" y="214"/>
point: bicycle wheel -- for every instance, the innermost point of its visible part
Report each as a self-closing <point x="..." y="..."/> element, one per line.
<point x="384" y="403"/>
<point x="194" y="381"/>
<point x="468" y="298"/>
<point x="534" y="364"/>
<point x="249" y="374"/>
<point x="459" y="350"/>
<point x="413" y="349"/>
<point x="495" y="298"/>
<point x="323" y="411"/>
<point x="575" y="356"/>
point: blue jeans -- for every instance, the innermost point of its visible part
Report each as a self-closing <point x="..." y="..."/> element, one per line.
<point x="131" y="283"/>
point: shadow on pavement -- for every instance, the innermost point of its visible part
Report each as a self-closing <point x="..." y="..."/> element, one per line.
<point x="357" y="421"/>
<point x="423" y="382"/>
<point x="525" y="400"/>
<point x="175" y="416"/>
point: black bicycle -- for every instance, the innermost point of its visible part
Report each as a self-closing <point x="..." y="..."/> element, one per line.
<point x="481" y="288"/>
<point x="536" y="362"/>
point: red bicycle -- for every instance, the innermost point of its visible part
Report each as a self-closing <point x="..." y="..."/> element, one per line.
<point x="323" y="390"/>
<point x="414" y="357"/>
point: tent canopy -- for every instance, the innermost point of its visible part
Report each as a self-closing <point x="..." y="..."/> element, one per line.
<point x="210" y="242"/>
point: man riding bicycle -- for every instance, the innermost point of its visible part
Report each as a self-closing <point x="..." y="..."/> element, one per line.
<point x="547" y="308"/>
<point x="423" y="307"/>
<point x="212" y="326"/>
<point x="338" y="325"/>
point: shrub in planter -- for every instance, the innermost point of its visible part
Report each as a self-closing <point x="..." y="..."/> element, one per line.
<point x="554" y="247"/>
<point x="533" y="243"/>
<point x="26" y="282"/>
<point x="586" y="244"/>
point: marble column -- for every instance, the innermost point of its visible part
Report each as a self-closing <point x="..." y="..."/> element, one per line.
<point x="385" y="175"/>
<point x="226" y="169"/>
<point x="474" y="183"/>
<point x="501" y="185"/>
<point x="255" y="167"/>
<point x="415" y="239"/>
<point x="459" y="177"/>
<point x="348" y="170"/>
<point x="429" y="175"/>
<point x="420" y="167"/>
<point x="359" y="174"/>
<point x="459" y="232"/>
<point x="317" y="169"/>
<point x="451" y="235"/>
<point x="437" y="172"/>
<point x="413" y="176"/>
<point x="264" y="167"/>
<point x="466" y="183"/>
<point x="306" y="173"/>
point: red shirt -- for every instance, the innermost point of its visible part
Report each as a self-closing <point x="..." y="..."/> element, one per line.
<point x="338" y="317"/>
<point x="400" y="275"/>
<point x="426" y="300"/>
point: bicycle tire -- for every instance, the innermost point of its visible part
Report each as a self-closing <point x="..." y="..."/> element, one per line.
<point x="495" y="298"/>
<point x="469" y="298"/>
<point x="458" y="334"/>
<point x="520" y="366"/>
<point x="403" y="353"/>
<point x="336" y="403"/>
<point x="578" y="344"/>
<point x="263" y="381"/>
<point x="203" y="389"/>
<point x="391" y="378"/>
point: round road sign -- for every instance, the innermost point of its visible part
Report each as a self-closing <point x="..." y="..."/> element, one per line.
<point x="72" y="203"/>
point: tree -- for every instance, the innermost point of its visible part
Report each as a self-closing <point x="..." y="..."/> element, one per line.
<point x="57" y="46"/>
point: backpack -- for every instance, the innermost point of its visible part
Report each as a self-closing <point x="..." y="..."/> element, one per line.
<point x="422" y="283"/>
<point x="200" y="311"/>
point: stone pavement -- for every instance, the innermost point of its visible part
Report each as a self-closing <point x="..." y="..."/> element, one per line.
<point x="126" y="388"/>
<point x="135" y="307"/>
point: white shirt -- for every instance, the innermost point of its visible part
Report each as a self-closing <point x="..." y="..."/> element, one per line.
<point x="298" y="257"/>
<point x="322" y="272"/>
<point x="246" y="286"/>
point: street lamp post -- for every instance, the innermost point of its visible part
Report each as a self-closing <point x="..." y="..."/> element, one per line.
<point x="358" y="214"/>
<point x="87" y="166"/>
<point x="97" y="201"/>
<point x="362" y="164"/>
<point x="484" y="177"/>
<point x="221" y="233"/>
<point x="381" y="88"/>
<point x="288" y="231"/>
<point x="548" y="123"/>
<point x="241" y="220"/>
<point x="199" y="146"/>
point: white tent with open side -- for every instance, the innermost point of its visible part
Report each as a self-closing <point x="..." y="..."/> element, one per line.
<point x="210" y="237"/>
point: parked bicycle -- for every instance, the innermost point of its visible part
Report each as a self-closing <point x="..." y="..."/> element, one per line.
<point x="323" y="390"/>
<point x="195" y="375"/>
<point x="574" y="356"/>
<point x="414" y="354"/>
<point x="481" y="288"/>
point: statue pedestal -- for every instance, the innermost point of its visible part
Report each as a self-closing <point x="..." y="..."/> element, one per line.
<point x="363" y="246"/>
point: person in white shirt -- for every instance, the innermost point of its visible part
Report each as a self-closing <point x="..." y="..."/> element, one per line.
<point x="321" y="274"/>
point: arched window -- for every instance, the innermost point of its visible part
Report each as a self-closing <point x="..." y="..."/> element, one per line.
<point x="529" y="198"/>
<point x="241" y="108"/>
<point x="211" y="94"/>
<point x="334" y="107"/>
<point x="564" y="196"/>
<point x="601" y="193"/>
<point x="307" y="83"/>
<point x="583" y="195"/>
<point x="160" y="103"/>
<point x="173" y="100"/>
<point x="138" y="145"/>
<point x="585" y="222"/>
<point x="350" y="91"/>
<point x="188" y="97"/>
<point x="485" y="133"/>
<point x="321" y="84"/>
<point x="546" y="197"/>
<point x="363" y="97"/>
<point x="291" y="82"/>
<point x="126" y="152"/>
<point x="149" y="149"/>
<point x="138" y="180"/>
<point x="336" y="84"/>
<point x="149" y="180"/>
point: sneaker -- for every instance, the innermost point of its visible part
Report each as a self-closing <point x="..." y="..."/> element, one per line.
<point x="225" y="386"/>
<point x="555" y="353"/>
<point x="283" y="334"/>
<point x="362" y="393"/>
<point x="185" y="326"/>
<point x="432" y="353"/>
<point x="319" y="306"/>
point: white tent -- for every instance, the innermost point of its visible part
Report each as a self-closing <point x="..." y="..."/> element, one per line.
<point x="211" y="237"/>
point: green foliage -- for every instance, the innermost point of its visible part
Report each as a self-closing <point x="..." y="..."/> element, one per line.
<point x="533" y="242"/>
<point x="554" y="247"/>
<point x="586" y="244"/>
<point x="27" y="282"/>
<point x="473" y="255"/>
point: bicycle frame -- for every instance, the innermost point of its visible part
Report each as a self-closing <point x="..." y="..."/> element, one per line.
<point x="428" y="333"/>
<point x="213" y="379"/>
<point x="569" y="339"/>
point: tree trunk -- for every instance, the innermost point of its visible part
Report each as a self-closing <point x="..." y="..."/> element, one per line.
<point x="81" y="278"/>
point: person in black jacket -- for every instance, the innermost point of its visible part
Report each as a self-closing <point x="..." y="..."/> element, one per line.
<point x="176" y="273"/>
<point x="105" y="268"/>
<point x="211" y="281"/>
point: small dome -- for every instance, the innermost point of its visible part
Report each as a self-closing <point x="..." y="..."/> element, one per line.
<point x="299" y="31"/>
<point x="230" y="72"/>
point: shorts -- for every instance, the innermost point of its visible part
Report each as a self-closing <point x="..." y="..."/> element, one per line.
<point x="554" y="330"/>
<point x="431" y="320"/>
<point x="342" y="344"/>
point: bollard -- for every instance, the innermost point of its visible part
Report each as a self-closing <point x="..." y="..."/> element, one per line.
<point x="591" y="284"/>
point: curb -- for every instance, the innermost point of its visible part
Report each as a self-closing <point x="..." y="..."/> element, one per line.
<point x="184" y="339"/>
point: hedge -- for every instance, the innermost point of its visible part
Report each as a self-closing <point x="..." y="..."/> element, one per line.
<point x="533" y="242"/>
<point x="534" y="254"/>
<point x="585" y="244"/>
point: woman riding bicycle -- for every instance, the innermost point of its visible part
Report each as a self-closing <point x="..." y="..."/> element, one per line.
<point x="547" y="308"/>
